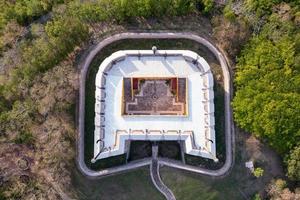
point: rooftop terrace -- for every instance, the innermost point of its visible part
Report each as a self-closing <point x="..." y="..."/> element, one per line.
<point x="193" y="124"/>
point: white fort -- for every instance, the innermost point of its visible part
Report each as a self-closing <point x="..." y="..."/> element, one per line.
<point x="154" y="95"/>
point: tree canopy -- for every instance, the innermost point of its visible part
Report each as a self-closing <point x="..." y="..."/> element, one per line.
<point x="267" y="99"/>
<point x="293" y="164"/>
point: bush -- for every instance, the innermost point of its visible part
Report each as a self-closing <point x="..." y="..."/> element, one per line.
<point x="25" y="138"/>
<point x="278" y="190"/>
<point x="43" y="53"/>
<point x="205" y="6"/>
<point x="260" y="7"/>
<point x="257" y="197"/>
<point x="228" y="13"/>
<point x="258" y="172"/>
<point x="19" y="118"/>
<point x="25" y="11"/>
<point x="122" y="10"/>
<point x="293" y="164"/>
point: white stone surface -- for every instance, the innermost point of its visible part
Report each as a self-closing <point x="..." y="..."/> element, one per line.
<point x="196" y="128"/>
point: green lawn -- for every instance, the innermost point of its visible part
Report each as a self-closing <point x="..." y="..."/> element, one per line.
<point x="188" y="186"/>
<point x="132" y="185"/>
<point x="238" y="184"/>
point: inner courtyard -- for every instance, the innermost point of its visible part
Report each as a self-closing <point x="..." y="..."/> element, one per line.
<point x="154" y="96"/>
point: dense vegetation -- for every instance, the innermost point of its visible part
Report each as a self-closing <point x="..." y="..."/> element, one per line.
<point x="267" y="100"/>
<point x="46" y="46"/>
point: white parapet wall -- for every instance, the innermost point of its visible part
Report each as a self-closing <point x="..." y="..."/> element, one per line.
<point x="112" y="129"/>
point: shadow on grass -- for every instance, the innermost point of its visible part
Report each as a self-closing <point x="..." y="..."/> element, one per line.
<point x="139" y="150"/>
<point x="132" y="185"/>
<point x="169" y="149"/>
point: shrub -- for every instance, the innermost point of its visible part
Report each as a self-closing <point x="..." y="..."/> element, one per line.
<point x="293" y="164"/>
<point x="205" y="5"/>
<point x="260" y="7"/>
<point x="257" y="197"/>
<point x="258" y="172"/>
<point x="25" y="138"/>
<point x="228" y="13"/>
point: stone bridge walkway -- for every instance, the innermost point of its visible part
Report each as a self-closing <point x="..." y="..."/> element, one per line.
<point x="154" y="172"/>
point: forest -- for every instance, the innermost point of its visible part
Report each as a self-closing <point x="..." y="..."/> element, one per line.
<point x="267" y="100"/>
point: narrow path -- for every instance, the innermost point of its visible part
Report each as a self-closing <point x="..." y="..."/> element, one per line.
<point x="154" y="172"/>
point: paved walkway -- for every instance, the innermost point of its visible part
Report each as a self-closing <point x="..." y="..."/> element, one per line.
<point x="229" y="129"/>
<point x="156" y="179"/>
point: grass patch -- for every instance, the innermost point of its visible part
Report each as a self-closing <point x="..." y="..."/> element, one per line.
<point x="169" y="149"/>
<point x="25" y="138"/>
<point x="140" y="149"/>
<point x="193" y="186"/>
<point x="132" y="185"/>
